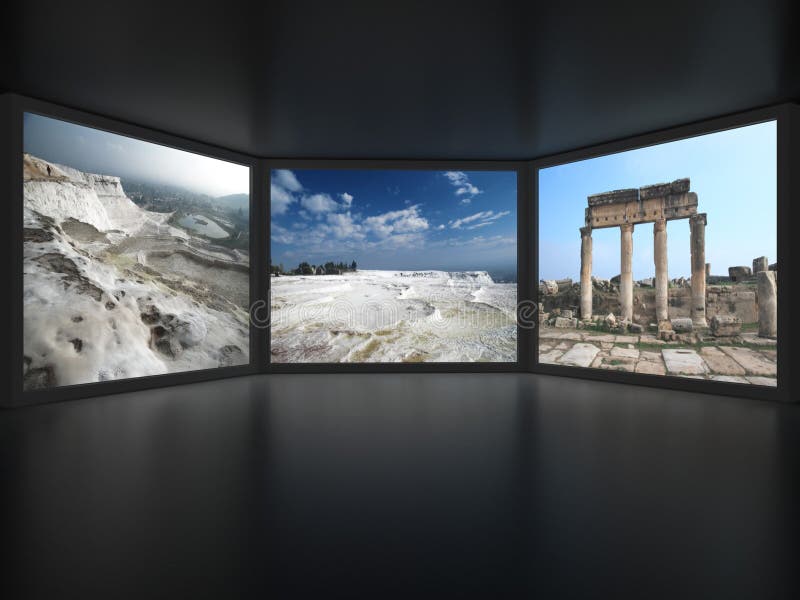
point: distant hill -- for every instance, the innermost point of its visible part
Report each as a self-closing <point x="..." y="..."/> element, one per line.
<point x="235" y="201"/>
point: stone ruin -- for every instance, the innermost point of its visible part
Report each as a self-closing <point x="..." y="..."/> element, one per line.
<point x="658" y="204"/>
<point x="655" y="204"/>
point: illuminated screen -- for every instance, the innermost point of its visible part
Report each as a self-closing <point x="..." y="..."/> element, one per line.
<point x="663" y="260"/>
<point x="393" y="266"/>
<point x="136" y="257"/>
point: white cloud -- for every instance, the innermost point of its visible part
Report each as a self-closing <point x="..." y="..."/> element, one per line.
<point x="479" y="219"/>
<point x="280" y="199"/>
<point x="464" y="187"/>
<point x="407" y="220"/>
<point x="402" y="240"/>
<point x="281" y="234"/>
<point x="282" y="187"/>
<point x="478" y="241"/>
<point x="481" y="224"/>
<point x="347" y="199"/>
<point x="456" y="177"/>
<point x="286" y="179"/>
<point x="319" y="203"/>
<point x="342" y="226"/>
<point x="467" y="188"/>
<point x="440" y="227"/>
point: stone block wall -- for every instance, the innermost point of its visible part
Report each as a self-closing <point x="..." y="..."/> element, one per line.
<point x="738" y="300"/>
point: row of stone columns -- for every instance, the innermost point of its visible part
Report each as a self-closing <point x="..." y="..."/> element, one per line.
<point x="697" y="225"/>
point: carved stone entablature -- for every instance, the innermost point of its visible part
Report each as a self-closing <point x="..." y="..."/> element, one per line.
<point x="659" y="190"/>
<point x="648" y="204"/>
<point x="614" y="197"/>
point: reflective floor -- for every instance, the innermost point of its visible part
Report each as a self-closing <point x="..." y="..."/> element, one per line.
<point x="375" y="486"/>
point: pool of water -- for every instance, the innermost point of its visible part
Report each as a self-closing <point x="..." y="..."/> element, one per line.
<point x="203" y="225"/>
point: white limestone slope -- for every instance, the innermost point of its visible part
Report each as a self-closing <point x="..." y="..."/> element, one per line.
<point x="393" y="316"/>
<point x="96" y="308"/>
<point x="98" y="200"/>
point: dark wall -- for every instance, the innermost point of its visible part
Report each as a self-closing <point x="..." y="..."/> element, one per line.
<point x="413" y="79"/>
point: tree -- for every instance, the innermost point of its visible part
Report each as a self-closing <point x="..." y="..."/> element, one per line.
<point x="305" y="269"/>
<point x="353" y="266"/>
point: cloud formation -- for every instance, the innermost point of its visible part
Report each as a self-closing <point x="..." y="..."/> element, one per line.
<point x="282" y="190"/>
<point x="464" y="187"/>
<point x="327" y="223"/>
<point x="407" y="220"/>
<point x="479" y="219"/>
<point x="319" y="203"/>
<point x="287" y="180"/>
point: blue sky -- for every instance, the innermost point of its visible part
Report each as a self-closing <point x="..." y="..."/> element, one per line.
<point x="104" y="153"/>
<point x="733" y="172"/>
<point x="389" y="219"/>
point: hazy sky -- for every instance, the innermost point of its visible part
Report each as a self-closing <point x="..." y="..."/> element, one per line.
<point x="734" y="174"/>
<point x="106" y="153"/>
<point x="449" y="220"/>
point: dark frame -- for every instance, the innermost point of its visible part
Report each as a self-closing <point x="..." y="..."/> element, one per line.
<point x="785" y="117"/>
<point x="17" y="106"/>
<point x="12" y="107"/>
<point x="524" y="335"/>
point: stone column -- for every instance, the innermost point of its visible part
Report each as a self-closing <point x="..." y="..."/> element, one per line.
<point x="626" y="272"/>
<point x="697" y="225"/>
<point x="767" y="304"/>
<point x="662" y="278"/>
<point x="586" y="273"/>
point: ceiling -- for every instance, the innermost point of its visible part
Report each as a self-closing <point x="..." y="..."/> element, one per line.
<point x="410" y="79"/>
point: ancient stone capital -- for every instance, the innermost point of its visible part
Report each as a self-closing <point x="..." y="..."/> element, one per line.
<point x="586" y="232"/>
<point x="626" y="227"/>
<point x="659" y="225"/>
<point x="698" y="219"/>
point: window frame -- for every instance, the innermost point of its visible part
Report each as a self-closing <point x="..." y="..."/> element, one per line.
<point x="785" y="116"/>
<point x="13" y="107"/>
<point x="524" y="335"/>
<point x="17" y="107"/>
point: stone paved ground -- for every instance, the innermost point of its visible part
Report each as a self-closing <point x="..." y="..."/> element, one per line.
<point x="752" y="361"/>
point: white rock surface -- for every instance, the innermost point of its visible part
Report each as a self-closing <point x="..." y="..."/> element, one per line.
<point x="83" y="301"/>
<point x="393" y="316"/>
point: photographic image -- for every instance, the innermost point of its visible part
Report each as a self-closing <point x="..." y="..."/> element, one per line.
<point x="136" y="257"/>
<point x="393" y="266"/>
<point x="663" y="260"/>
